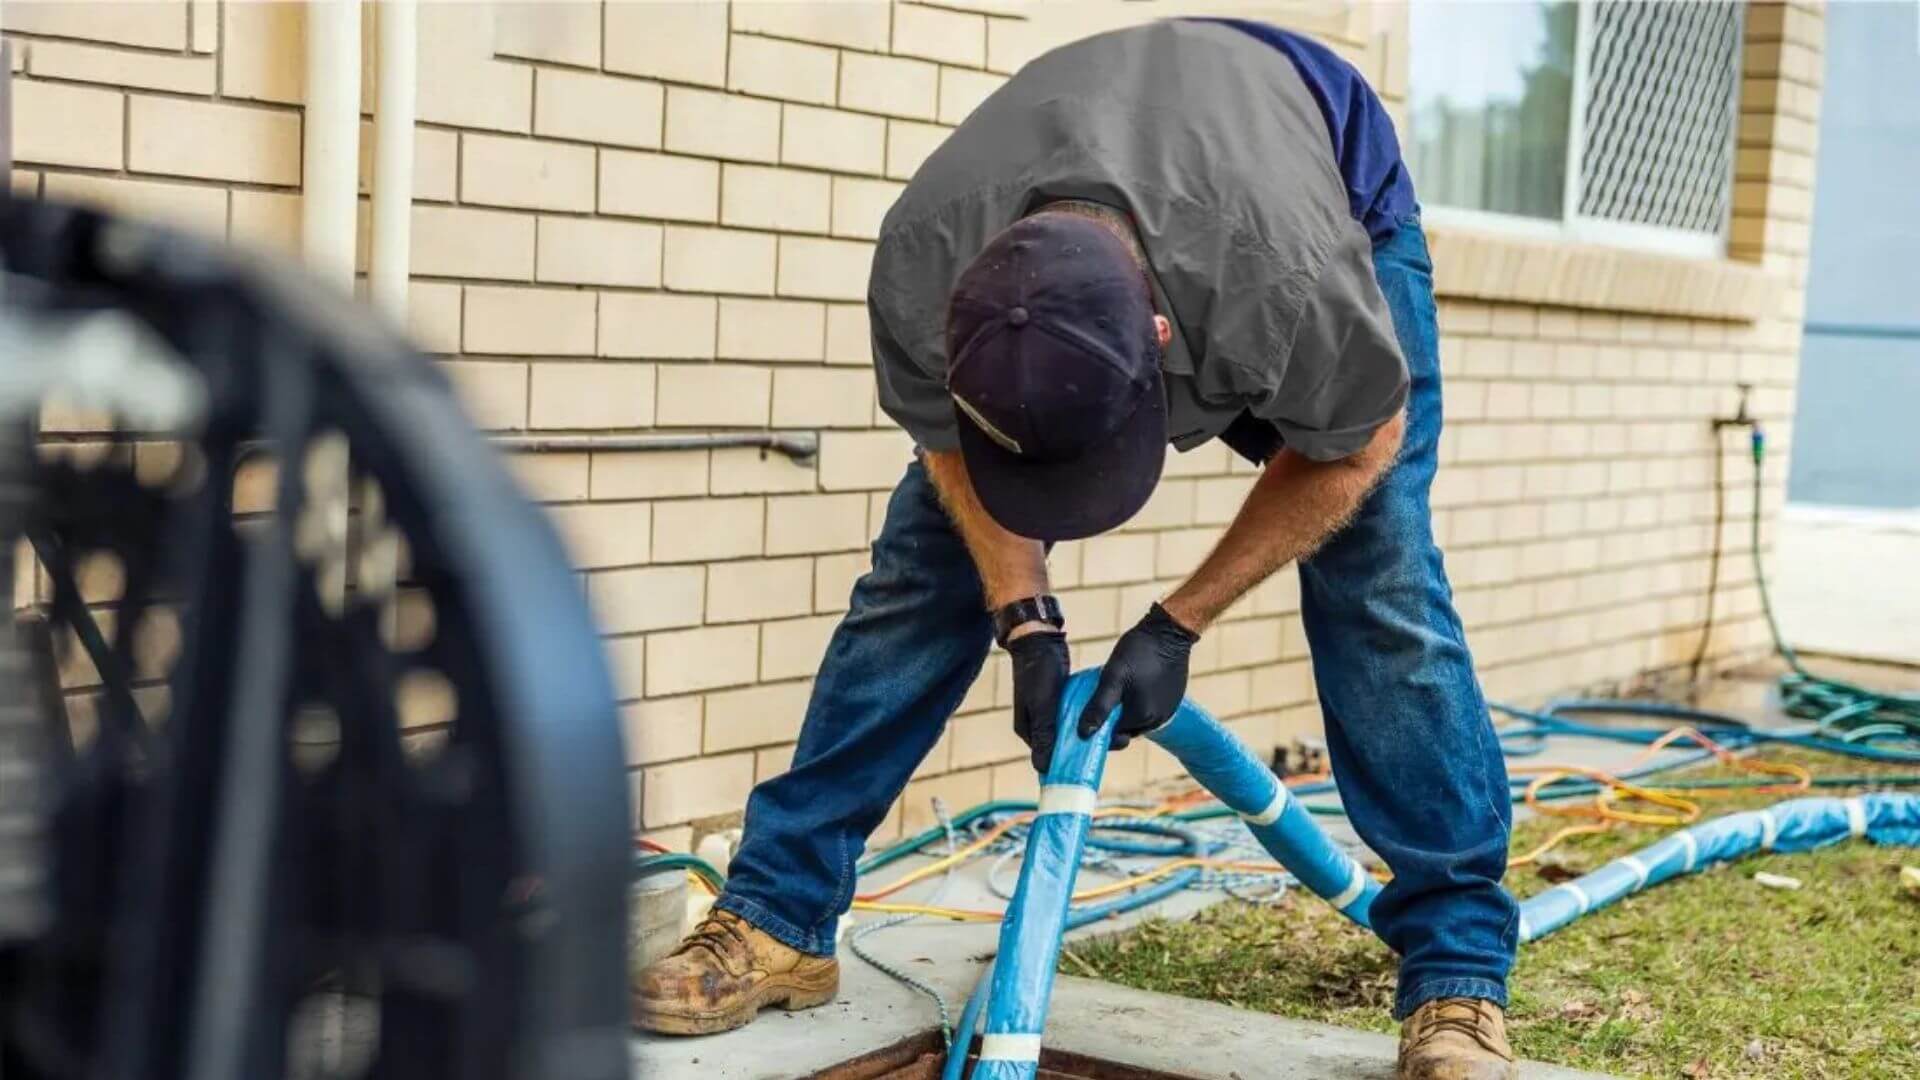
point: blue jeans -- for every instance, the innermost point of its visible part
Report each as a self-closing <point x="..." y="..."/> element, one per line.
<point x="1408" y="733"/>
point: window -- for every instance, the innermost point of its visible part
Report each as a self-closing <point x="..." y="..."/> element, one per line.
<point x="1610" y="121"/>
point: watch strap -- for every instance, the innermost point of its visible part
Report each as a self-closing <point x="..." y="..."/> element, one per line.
<point x="1043" y="608"/>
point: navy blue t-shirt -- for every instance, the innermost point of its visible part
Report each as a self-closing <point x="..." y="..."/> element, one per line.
<point x="1379" y="191"/>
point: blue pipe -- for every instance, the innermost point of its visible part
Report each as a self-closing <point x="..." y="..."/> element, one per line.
<point x="1788" y="826"/>
<point x="1223" y="765"/>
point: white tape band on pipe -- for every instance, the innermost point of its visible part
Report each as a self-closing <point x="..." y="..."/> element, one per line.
<point x="1856" y="816"/>
<point x="1526" y="931"/>
<point x="1693" y="850"/>
<point x="1067" y="799"/>
<point x="1769" y="830"/>
<point x="1639" y="869"/>
<point x="1580" y="896"/>
<point x="1273" y="809"/>
<point x="1356" y="884"/>
<point x="1009" y="1047"/>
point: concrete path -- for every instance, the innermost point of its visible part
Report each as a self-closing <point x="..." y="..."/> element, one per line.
<point x="1204" y="1041"/>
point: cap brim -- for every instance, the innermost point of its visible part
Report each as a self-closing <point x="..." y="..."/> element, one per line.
<point x="1070" y="500"/>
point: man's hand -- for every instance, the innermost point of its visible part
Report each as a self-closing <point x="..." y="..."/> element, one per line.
<point x="1039" y="675"/>
<point x="1146" y="677"/>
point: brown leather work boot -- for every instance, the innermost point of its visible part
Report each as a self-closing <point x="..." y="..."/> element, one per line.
<point x="1456" y="1039"/>
<point x="722" y="974"/>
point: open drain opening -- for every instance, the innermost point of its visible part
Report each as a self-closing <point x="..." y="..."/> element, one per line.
<point x="920" y="1058"/>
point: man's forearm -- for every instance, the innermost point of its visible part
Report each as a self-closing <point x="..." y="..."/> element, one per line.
<point x="1293" y="508"/>
<point x="1011" y="567"/>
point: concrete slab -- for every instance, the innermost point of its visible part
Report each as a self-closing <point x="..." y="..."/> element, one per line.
<point x="1201" y="1040"/>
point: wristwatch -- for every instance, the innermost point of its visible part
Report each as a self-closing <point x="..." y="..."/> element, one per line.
<point x="1043" y="608"/>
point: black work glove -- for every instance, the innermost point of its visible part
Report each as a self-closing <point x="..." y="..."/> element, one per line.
<point x="1039" y="675"/>
<point x="1146" y="677"/>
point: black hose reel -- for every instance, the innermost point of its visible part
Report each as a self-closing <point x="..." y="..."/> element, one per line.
<point x="346" y="796"/>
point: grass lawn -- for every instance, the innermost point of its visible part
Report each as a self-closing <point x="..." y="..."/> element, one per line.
<point x="1710" y="975"/>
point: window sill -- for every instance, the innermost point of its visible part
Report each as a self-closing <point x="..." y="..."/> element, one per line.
<point x="1476" y="264"/>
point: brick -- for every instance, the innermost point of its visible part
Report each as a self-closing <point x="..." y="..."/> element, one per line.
<point x="849" y="335"/>
<point x="663" y="729"/>
<point x="752" y="591"/>
<point x="984" y="739"/>
<point x="723" y="126"/>
<point x="758" y="197"/>
<point x="118" y="67"/>
<point x="1254" y="641"/>
<point x="656" y="326"/>
<point x="627" y="663"/>
<point x="468" y="87"/>
<point x="771" y="762"/>
<point x="648" y="598"/>
<point x="855" y="24"/>
<point x="768" y="67"/>
<point x="591" y="395"/>
<point x="698" y="530"/>
<point x="565" y="33"/>
<point x="1179" y="552"/>
<point x="598" y="108"/>
<point x="822" y="397"/>
<point x="659" y="186"/>
<point x="680" y="661"/>
<point x="962" y="90"/>
<point x="595" y="251"/>
<point x="1120" y="558"/>
<point x="804" y="524"/>
<point x="679" y="42"/>
<point x="953" y="37"/>
<point x="713" y="395"/>
<point x="834" y="577"/>
<point x="265" y="219"/>
<point x="649" y="474"/>
<point x="746" y="470"/>
<point x="495" y="395"/>
<point x="154" y="25"/>
<point x="433" y="315"/>
<point x="824" y="269"/>
<point x="190" y="205"/>
<point x="263" y="55"/>
<point x="770" y="330"/>
<point x="860" y="205"/>
<point x="500" y="171"/>
<point x="454" y="241"/>
<point x="863" y="460"/>
<point x="549" y="478"/>
<point x="889" y="85"/>
<point x="792" y="648"/>
<point x="55" y="124"/>
<point x="909" y="144"/>
<point x="702" y="787"/>
<point x="755" y="716"/>
<point x="601" y="535"/>
<point x="541" y="322"/>
<point x="829" y="139"/>
<point x="719" y="260"/>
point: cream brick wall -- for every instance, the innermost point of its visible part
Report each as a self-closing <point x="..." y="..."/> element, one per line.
<point x="660" y="215"/>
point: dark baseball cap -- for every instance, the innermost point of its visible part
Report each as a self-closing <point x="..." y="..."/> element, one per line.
<point x="1054" y="370"/>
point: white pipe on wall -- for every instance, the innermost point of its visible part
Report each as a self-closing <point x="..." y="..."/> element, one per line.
<point x="396" y="53"/>
<point x="330" y="189"/>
